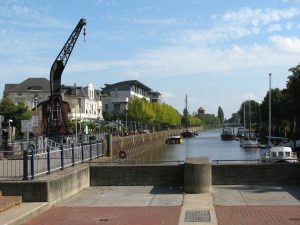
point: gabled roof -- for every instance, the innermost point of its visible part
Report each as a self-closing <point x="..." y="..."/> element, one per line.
<point x="29" y="85"/>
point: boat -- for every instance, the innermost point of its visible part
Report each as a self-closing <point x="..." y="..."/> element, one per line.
<point x="280" y="154"/>
<point x="249" y="140"/>
<point x="227" y="134"/>
<point x="188" y="133"/>
<point x="175" y="139"/>
<point x="240" y="132"/>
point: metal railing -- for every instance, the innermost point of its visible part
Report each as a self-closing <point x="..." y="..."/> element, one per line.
<point x="26" y="162"/>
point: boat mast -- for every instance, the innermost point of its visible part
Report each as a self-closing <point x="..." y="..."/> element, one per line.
<point x="244" y="115"/>
<point x="270" y="128"/>
<point x="250" y="115"/>
<point x="186" y="113"/>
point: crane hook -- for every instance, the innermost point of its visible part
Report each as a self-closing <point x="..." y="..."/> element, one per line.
<point x="84" y="33"/>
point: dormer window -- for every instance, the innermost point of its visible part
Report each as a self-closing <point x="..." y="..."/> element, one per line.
<point x="35" y="88"/>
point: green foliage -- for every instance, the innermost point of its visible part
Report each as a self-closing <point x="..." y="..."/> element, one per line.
<point x="153" y="114"/>
<point x="14" y="112"/>
<point x="220" y="114"/>
<point x="209" y="119"/>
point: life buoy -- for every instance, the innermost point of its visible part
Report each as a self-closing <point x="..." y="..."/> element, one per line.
<point x="122" y="154"/>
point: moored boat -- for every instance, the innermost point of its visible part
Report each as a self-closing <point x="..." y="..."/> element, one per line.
<point x="249" y="140"/>
<point x="188" y="133"/>
<point x="280" y="154"/>
<point x="175" y="139"/>
<point x="227" y="134"/>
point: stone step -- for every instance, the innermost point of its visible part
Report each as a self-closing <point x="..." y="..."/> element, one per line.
<point x="7" y="202"/>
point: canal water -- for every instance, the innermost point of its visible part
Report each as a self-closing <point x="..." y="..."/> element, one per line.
<point x="206" y="144"/>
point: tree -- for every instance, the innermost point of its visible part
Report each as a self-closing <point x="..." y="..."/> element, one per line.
<point x="293" y="95"/>
<point x="252" y="114"/>
<point x="220" y="114"/>
<point x="13" y="112"/>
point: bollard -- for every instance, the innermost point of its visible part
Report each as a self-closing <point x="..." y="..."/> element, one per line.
<point x="197" y="175"/>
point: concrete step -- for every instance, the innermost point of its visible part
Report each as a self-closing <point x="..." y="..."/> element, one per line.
<point x="7" y="202"/>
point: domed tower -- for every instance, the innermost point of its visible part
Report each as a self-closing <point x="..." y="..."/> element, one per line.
<point x="201" y="110"/>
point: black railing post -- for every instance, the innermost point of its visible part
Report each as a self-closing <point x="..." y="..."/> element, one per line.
<point x="25" y="162"/>
<point x="91" y="152"/>
<point x="82" y="154"/>
<point x="62" y="157"/>
<point x="73" y="155"/>
<point x="48" y="160"/>
<point x="97" y="149"/>
<point x="32" y="162"/>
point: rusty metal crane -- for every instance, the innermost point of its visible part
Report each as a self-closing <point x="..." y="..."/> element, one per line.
<point x="55" y="110"/>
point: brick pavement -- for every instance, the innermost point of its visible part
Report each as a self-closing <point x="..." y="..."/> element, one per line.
<point x="258" y="215"/>
<point x="147" y="215"/>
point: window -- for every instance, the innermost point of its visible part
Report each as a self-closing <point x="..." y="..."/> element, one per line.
<point x="280" y="153"/>
<point x="19" y="94"/>
<point x="288" y="154"/>
<point x="274" y="154"/>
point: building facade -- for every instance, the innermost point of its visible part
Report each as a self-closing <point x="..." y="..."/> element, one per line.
<point x="85" y="102"/>
<point x="115" y="97"/>
<point x="31" y="91"/>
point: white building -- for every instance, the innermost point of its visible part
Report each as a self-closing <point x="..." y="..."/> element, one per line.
<point x="85" y="102"/>
<point x="116" y="96"/>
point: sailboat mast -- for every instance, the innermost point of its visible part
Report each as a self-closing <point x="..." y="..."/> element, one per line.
<point x="250" y="115"/>
<point x="186" y="112"/>
<point x="244" y="115"/>
<point x="270" y="116"/>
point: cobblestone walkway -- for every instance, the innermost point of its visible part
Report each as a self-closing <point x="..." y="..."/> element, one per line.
<point x="258" y="215"/>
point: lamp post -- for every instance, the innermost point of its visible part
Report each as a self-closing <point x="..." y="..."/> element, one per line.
<point x="9" y="130"/>
<point x="36" y="115"/>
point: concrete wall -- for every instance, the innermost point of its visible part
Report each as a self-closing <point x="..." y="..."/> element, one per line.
<point x="139" y="175"/>
<point x="286" y="173"/>
<point x="49" y="188"/>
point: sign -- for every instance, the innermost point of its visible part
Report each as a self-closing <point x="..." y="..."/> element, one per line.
<point x="26" y="126"/>
<point x="35" y="121"/>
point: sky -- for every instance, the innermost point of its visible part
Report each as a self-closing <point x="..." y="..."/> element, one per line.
<point x="218" y="53"/>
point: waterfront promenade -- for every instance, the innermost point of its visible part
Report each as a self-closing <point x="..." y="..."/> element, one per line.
<point x="151" y="205"/>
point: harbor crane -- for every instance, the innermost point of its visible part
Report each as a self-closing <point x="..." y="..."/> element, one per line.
<point x="55" y="110"/>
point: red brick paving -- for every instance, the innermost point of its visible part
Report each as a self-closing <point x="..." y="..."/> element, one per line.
<point x="151" y="215"/>
<point x="258" y="215"/>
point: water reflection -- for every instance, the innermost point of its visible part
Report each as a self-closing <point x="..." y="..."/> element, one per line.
<point x="207" y="144"/>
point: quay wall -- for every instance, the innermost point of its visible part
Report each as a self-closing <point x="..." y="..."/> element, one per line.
<point x="222" y="174"/>
<point x="261" y="174"/>
<point x="51" y="188"/>
<point x="63" y="184"/>
<point x="135" y="144"/>
<point x="136" y="175"/>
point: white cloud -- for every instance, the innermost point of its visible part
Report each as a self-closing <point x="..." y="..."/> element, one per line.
<point x="286" y="44"/>
<point x="259" y="16"/>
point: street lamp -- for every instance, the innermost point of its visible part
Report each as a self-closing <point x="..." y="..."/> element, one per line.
<point x="9" y="129"/>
